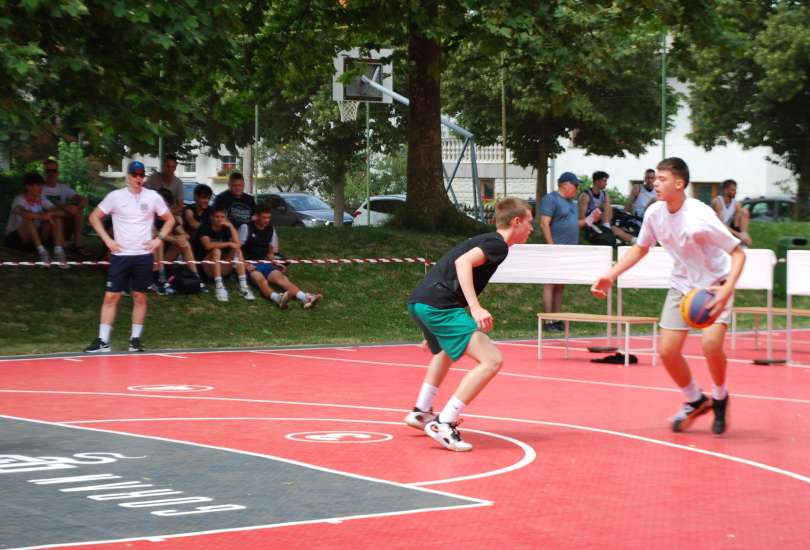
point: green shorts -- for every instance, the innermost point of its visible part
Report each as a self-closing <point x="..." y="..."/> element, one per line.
<point x="444" y="329"/>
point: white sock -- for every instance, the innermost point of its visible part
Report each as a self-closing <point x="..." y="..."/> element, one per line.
<point x="275" y="296"/>
<point x="301" y="295"/>
<point x="104" y="332"/>
<point x="41" y="249"/>
<point x="218" y="282"/>
<point x="452" y="410"/>
<point x="719" y="392"/>
<point x="426" y="396"/>
<point x="691" y="392"/>
<point x="243" y="281"/>
<point x="57" y="249"/>
<point x="137" y="330"/>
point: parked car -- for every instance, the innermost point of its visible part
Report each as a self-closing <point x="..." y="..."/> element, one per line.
<point x="300" y="210"/>
<point x="765" y="209"/>
<point x="383" y="208"/>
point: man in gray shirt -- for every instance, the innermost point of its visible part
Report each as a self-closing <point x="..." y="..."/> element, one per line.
<point x="167" y="180"/>
<point x="560" y="223"/>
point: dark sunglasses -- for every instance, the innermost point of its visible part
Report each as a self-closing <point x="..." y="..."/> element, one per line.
<point x="138" y="174"/>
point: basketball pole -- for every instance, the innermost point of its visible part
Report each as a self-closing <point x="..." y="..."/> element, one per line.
<point x="368" y="166"/>
<point x="664" y="96"/>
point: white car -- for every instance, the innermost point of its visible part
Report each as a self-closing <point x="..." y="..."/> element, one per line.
<point x="383" y="208"/>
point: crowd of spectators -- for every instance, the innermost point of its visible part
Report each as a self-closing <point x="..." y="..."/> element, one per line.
<point x="219" y="237"/>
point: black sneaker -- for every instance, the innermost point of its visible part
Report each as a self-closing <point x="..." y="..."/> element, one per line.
<point x="560" y="326"/>
<point x="98" y="346"/>
<point x="721" y="415"/>
<point x="689" y="412"/>
<point x="135" y="344"/>
<point x="551" y="326"/>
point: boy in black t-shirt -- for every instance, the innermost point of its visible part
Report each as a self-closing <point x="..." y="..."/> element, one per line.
<point x="220" y="242"/>
<point x="262" y="244"/>
<point x="437" y="305"/>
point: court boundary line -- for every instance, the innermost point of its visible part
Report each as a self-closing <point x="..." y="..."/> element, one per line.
<point x="529" y="454"/>
<point x="473" y="502"/>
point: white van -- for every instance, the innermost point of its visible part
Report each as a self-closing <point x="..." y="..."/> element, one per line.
<point x="383" y="208"/>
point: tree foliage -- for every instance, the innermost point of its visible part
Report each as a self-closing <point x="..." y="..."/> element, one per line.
<point x="751" y="84"/>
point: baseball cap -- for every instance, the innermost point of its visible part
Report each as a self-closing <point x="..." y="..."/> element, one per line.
<point x="135" y="166"/>
<point x="569" y="177"/>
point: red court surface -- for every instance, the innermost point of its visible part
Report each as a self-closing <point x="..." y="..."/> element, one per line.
<point x="568" y="453"/>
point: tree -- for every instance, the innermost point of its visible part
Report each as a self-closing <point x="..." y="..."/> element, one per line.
<point x="751" y="84"/>
<point x="571" y="72"/>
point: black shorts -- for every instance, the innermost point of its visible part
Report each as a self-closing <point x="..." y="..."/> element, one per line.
<point x="129" y="273"/>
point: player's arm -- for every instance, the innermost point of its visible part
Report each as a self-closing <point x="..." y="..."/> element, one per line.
<point x="718" y="208"/>
<point x="723" y="292"/>
<point x="188" y="217"/>
<point x="31" y="216"/>
<point x="628" y="260"/>
<point x="235" y="242"/>
<point x="95" y="220"/>
<point x="464" y="271"/>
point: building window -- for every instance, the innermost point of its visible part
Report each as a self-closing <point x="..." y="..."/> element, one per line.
<point x="704" y="191"/>
<point x="230" y="164"/>
<point x="187" y="166"/>
<point x="487" y="188"/>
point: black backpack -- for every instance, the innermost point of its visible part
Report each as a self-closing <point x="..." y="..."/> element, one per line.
<point x="184" y="281"/>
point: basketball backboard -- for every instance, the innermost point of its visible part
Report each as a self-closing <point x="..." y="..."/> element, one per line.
<point x="374" y="64"/>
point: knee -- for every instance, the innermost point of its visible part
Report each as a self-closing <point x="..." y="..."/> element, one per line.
<point x="111" y="298"/>
<point x="492" y="364"/>
<point x="669" y="352"/>
<point x="712" y="348"/>
<point x="139" y="298"/>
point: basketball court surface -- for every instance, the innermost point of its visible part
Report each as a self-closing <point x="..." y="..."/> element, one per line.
<point x="306" y="448"/>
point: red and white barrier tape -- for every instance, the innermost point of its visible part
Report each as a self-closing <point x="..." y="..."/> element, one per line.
<point x="288" y="261"/>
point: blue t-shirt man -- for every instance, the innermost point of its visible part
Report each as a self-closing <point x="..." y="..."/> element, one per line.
<point x="561" y="207"/>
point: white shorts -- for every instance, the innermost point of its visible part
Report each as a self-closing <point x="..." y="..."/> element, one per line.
<point x="672" y="319"/>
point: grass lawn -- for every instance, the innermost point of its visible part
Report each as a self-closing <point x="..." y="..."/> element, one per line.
<point x="51" y="310"/>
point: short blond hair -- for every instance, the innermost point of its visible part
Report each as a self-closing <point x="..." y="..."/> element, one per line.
<point x="508" y="209"/>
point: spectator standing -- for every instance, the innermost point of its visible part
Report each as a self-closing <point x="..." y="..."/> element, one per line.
<point x="167" y="180"/>
<point x="68" y="201"/>
<point x="731" y="213"/>
<point x="642" y="195"/>
<point x="560" y="224"/>
<point x="133" y="210"/>
<point x="239" y="206"/>
<point x="34" y="221"/>
<point x="262" y="244"/>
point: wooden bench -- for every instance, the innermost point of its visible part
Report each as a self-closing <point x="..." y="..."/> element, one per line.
<point x="758" y="312"/>
<point x="626" y="320"/>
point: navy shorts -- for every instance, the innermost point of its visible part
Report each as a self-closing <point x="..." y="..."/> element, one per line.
<point x="129" y="273"/>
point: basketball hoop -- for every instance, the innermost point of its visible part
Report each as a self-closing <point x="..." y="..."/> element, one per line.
<point x="348" y="110"/>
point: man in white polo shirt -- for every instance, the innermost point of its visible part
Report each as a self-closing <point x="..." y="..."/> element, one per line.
<point x="133" y="211"/>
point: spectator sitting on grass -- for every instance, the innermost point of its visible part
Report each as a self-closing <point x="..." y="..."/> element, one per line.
<point x="69" y="202"/>
<point x="198" y="213"/>
<point x="176" y="243"/>
<point x="34" y="222"/>
<point x="262" y="244"/>
<point x="220" y="241"/>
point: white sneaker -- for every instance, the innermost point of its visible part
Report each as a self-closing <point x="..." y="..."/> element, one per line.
<point x="246" y="293"/>
<point x="447" y="435"/>
<point x="312" y="301"/>
<point x="221" y="293"/>
<point x="418" y="418"/>
<point x="45" y="259"/>
<point x="284" y="300"/>
<point x="61" y="258"/>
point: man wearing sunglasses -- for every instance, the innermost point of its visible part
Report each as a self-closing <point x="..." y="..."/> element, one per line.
<point x="133" y="211"/>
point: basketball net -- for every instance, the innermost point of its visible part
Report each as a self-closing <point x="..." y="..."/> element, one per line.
<point x="348" y="110"/>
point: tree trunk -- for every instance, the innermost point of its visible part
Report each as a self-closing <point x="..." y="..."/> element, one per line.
<point x="802" y="211"/>
<point x="427" y="199"/>
<point x="541" y="166"/>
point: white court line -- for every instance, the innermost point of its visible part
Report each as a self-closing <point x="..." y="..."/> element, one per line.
<point x="71" y="359"/>
<point x="474" y="502"/>
<point x="170" y="356"/>
<point x="533" y="377"/>
<point x="529" y="455"/>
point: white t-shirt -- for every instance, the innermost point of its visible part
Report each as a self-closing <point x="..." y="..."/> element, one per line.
<point x="15" y="220"/>
<point x="133" y="217"/>
<point x="695" y="238"/>
<point x="59" y="193"/>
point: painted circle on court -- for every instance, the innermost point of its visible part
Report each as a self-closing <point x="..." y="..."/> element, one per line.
<point x="339" y="437"/>
<point x="171" y="388"/>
